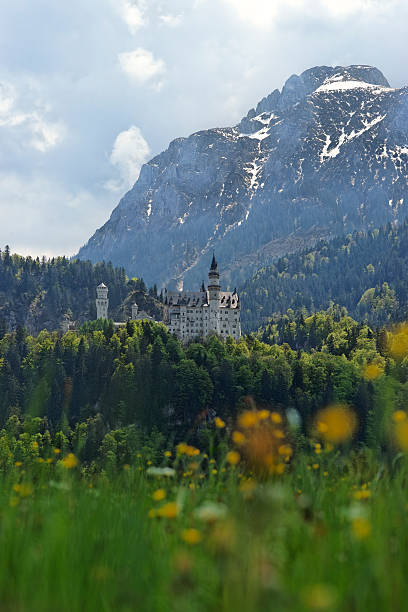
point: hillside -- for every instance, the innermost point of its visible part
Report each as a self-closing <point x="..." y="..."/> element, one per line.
<point x="362" y="272"/>
<point x="325" y="156"/>
<point x="36" y="294"/>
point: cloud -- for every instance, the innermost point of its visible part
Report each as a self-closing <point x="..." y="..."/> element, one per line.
<point x="130" y="151"/>
<point x="141" y="65"/>
<point x="40" y="211"/>
<point x="133" y="13"/>
<point x="264" y="14"/>
<point x="34" y="130"/>
<point x="173" y="21"/>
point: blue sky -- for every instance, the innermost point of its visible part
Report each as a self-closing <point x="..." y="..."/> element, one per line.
<point x="90" y="89"/>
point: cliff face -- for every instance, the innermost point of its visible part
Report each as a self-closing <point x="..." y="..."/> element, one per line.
<point x="327" y="154"/>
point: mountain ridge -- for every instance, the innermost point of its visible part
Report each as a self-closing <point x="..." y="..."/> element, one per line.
<point x="326" y="155"/>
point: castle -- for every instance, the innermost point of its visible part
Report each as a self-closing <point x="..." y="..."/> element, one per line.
<point x="190" y="314"/>
<point x="102" y="306"/>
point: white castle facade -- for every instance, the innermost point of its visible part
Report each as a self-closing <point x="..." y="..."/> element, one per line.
<point x="195" y="314"/>
<point x="190" y="314"/>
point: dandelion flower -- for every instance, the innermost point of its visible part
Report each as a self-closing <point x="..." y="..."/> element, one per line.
<point x="336" y="423"/>
<point x="219" y="423"/>
<point x="238" y="438"/>
<point x="70" y="461"/>
<point x="248" y="419"/>
<point x="319" y="597"/>
<point x="169" y="510"/>
<point x="361" y="528"/>
<point x="372" y="371"/>
<point x="276" y="418"/>
<point x="233" y="457"/>
<point x="191" y="536"/>
<point x="399" y="415"/>
<point x="159" y="495"/>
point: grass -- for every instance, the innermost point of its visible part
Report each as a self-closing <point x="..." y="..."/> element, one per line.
<point x="330" y="533"/>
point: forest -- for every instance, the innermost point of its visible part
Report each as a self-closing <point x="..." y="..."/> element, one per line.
<point x="38" y="293"/>
<point x="98" y="388"/>
<point x="361" y="272"/>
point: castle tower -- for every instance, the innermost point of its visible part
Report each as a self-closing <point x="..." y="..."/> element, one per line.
<point x="214" y="296"/>
<point x="102" y="302"/>
<point x="135" y="310"/>
<point x="214" y="281"/>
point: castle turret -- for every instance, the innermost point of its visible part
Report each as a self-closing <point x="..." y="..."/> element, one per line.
<point x="214" y="281"/>
<point x="135" y="310"/>
<point x="102" y="302"/>
<point x="214" y="290"/>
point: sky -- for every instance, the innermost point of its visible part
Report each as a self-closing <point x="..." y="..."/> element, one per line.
<point x="92" y="89"/>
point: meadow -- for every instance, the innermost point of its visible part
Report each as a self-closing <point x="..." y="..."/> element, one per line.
<point x="264" y="519"/>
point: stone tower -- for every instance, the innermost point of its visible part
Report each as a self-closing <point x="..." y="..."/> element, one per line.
<point x="135" y="310"/>
<point x="214" y="290"/>
<point x="102" y="302"/>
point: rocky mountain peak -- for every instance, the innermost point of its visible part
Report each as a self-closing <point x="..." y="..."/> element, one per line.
<point x="327" y="154"/>
<point x="298" y="87"/>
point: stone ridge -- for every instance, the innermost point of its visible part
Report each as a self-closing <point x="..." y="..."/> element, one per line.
<point x="308" y="162"/>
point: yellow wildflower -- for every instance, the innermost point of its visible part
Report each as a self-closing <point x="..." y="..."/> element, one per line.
<point x="49" y="460"/>
<point x="318" y="448"/>
<point x="169" y="510"/>
<point x="363" y="494"/>
<point x="361" y="528"/>
<point x="336" y="423"/>
<point x="372" y="371"/>
<point x="57" y="451"/>
<point x="214" y="471"/>
<point x="167" y="454"/>
<point x="159" y="495"/>
<point x="40" y="460"/>
<point x="18" y="463"/>
<point x="280" y="468"/>
<point x="315" y="466"/>
<point x="70" y="461"/>
<point x="152" y="513"/>
<point x="263" y="415"/>
<point x="233" y="457"/>
<point x="276" y="418"/>
<point x="248" y="419"/>
<point x="219" y="423"/>
<point x="238" y="438"/>
<point x="23" y="489"/>
<point x="191" y="536"/>
<point x="399" y="415"/>
<point x="319" y="597"/>
<point x="34" y="445"/>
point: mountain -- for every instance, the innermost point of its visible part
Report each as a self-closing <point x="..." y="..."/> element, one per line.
<point x="326" y="155"/>
<point x="362" y="272"/>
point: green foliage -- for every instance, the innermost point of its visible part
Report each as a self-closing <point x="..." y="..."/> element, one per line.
<point x="86" y="385"/>
<point x="361" y="272"/>
<point x="38" y="293"/>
